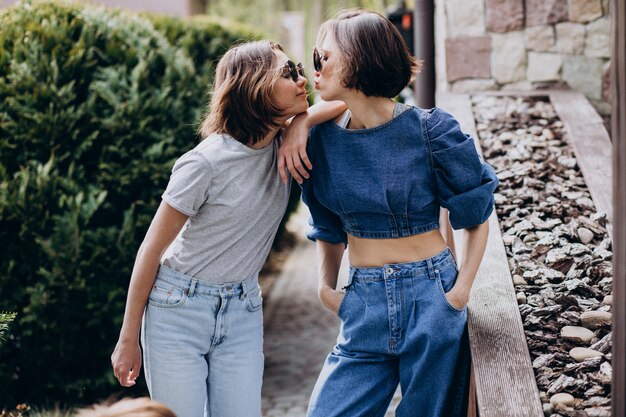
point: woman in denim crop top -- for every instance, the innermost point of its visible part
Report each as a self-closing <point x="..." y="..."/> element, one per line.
<point x="380" y="173"/>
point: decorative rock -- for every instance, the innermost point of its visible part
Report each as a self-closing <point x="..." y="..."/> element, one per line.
<point x="562" y="399"/>
<point x="540" y="12"/>
<point x="518" y="280"/>
<point x="608" y="300"/>
<point x="595" y="319"/>
<point x="465" y="17"/>
<point x="547" y="409"/>
<point x="570" y="38"/>
<point x="521" y="298"/>
<point x="585" y="235"/>
<point x="603" y="345"/>
<point x="559" y="259"/>
<point x="598" y="42"/>
<point x="540" y="38"/>
<point x="543" y="360"/>
<point x="579" y="354"/>
<point x="504" y="15"/>
<point x="544" y="66"/>
<point x="508" y="60"/>
<point x="584" y="10"/>
<point x="577" y="334"/>
<point x="584" y="74"/>
<point x="468" y="57"/>
<point x="606" y="369"/>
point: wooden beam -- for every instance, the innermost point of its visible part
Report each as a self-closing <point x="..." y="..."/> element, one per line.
<point x="588" y="137"/>
<point x="505" y="381"/>
<point x="618" y="121"/>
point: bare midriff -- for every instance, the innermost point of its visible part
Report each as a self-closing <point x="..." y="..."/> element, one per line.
<point x="379" y="252"/>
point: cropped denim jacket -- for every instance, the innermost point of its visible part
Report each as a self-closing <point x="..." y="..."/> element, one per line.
<point x="390" y="181"/>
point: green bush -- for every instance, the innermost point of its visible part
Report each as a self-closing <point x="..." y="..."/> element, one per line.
<point x="95" y="106"/>
<point x="5" y="319"/>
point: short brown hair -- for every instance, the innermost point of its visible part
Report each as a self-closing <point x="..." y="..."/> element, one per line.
<point x="128" y="407"/>
<point x="241" y="104"/>
<point x="374" y="57"/>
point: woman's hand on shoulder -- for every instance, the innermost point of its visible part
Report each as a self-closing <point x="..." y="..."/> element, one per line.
<point x="292" y="153"/>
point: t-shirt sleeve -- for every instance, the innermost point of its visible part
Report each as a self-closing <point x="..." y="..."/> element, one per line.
<point x="188" y="188"/>
<point x="465" y="182"/>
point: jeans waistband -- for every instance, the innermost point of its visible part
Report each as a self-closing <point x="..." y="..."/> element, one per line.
<point x="406" y="269"/>
<point x="193" y="286"/>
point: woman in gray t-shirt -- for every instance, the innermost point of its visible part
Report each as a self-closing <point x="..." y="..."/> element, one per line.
<point x="195" y="276"/>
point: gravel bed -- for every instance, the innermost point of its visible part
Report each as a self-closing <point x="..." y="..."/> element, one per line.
<point x="558" y="249"/>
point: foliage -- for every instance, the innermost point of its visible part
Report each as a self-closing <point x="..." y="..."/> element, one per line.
<point x="95" y="105"/>
<point x="5" y="320"/>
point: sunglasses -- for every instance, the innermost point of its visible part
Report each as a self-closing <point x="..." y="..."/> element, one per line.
<point x="293" y="71"/>
<point x="317" y="59"/>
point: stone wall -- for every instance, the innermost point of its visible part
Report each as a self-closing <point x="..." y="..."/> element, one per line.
<point x="524" y="45"/>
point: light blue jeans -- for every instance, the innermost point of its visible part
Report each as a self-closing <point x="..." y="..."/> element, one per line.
<point x="397" y="327"/>
<point x="203" y="346"/>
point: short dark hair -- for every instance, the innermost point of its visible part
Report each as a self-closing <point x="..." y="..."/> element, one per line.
<point x="241" y="104"/>
<point x="374" y="57"/>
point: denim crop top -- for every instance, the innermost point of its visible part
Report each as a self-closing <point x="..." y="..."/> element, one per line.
<point x="390" y="181"/>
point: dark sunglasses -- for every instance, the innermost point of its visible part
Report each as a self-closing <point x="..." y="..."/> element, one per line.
<point x="293" y="70"/>
<point x="317" y="60"/>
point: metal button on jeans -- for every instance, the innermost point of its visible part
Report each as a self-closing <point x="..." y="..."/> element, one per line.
<point x="389" y="270"/>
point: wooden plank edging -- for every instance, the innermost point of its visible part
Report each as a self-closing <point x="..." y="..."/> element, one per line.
<point x="505" y="381"/>
<point x="592" y="146"/>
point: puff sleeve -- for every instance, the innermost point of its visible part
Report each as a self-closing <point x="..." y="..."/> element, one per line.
<point x="188" y="188"/>
<point x="464" y="181"/>
<point x="326" y="225"/>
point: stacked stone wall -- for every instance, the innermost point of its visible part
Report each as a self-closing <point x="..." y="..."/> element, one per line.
<point x="525" y="45"/>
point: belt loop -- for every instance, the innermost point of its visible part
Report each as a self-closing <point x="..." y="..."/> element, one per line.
<point x="192" y="287"/>
<point x="431" y="269"/>
<point x="245" y="288"/>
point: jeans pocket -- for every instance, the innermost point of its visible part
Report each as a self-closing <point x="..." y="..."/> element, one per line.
<point x="166" y="295"/>
<point x="254" y="299"/>
<point x="446" y="278"/>
<point x="342" y="304"/>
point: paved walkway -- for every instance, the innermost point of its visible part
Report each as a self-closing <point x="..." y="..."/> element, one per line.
<point x="299" y="332"/>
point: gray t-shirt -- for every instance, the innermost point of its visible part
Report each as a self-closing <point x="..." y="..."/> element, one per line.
<point x="235" y="200"/>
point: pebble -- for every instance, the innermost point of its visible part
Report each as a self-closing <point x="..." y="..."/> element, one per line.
<point x="547" y="409"/>
<point x="608" y="300"/>
<point x="585" y="235"/>
<point x="595" y="319"/>
<point x="579" y="354"/>
<point x="521" y="298"/>
<point x="518" y="280"/>
<point x="577" y="334"/>
<point x="562" y="399"/>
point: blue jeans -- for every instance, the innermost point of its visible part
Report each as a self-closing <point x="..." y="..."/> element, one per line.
<point x="203" y="346"/>
<point x="397" y="327"/>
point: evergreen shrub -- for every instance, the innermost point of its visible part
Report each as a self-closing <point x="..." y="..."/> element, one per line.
<point x="95" y="106"/>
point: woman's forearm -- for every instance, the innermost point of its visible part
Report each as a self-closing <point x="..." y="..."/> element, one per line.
<point x="321" y="112"/>
<point x="142" y="279"/>
<point x="329" y="257"/>
<point x="474" y="244"/>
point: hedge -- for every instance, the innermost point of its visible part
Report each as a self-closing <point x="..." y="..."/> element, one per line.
<point x="95" y="106"/>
